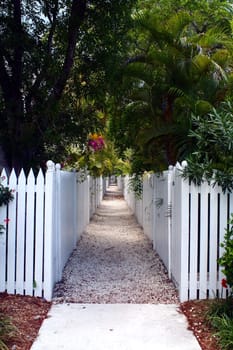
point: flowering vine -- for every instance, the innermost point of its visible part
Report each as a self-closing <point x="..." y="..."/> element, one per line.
<point x="96" y="142"/>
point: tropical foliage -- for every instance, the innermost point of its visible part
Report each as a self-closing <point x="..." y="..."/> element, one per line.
<point x="56" y="64"/>
<point x="226" y="260"/>
<point x="220" y="317"/>
<point x="99" y="157"/>
<point x="213" y="156"/>
<point x="181" y="64"/>
<point x="71" y="68"/>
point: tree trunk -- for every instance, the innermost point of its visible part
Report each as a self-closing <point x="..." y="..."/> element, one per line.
<point x="168" y="117"/>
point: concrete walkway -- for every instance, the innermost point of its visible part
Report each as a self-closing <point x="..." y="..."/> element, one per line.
<point x="115" y="325"/>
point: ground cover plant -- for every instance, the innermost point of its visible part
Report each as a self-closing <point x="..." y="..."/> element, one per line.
<point x="7" y="331"/>
<point x="220" y="314"/>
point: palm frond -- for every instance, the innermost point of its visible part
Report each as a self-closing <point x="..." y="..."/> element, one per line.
<point x="220" y="70"/>
<point x="201" y="63"/>
<point x="175" y="92"/>
<point x="139" y="71"/>
<point x="177" y="23"/>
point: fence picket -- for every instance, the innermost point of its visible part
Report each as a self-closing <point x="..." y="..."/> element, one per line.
<point x="203" y="241"/>
<point x="21" y="215"/>
<point x="30" y="210"/>
<point x="11" y="237"/>
<point x="213" y="241"/>
<point x="223" y="219"/>
<point x="193" y="274"/>
<point x="3" y="215"/>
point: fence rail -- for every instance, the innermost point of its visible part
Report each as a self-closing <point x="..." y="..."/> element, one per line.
<point x="186" y="224"/>
<point x="42" y="226"/>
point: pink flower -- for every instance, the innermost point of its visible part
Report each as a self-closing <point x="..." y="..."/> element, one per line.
<point x="96" y="142"/>
<point x="6" y="220"/>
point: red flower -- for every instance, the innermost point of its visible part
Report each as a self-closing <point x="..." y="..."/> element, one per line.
<point x="224" y="283"/>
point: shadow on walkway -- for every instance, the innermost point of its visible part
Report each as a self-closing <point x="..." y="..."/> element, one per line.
<point x="113" y="192"/>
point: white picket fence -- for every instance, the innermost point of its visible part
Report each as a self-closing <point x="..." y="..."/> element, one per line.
<point x="42" y="226"/>
<point x="186" y="224"/>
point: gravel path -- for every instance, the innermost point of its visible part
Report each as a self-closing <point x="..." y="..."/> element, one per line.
<point x="114" y="262"/>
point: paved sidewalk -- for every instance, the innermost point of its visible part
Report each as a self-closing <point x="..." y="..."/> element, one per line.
<point x="115" y="327"/>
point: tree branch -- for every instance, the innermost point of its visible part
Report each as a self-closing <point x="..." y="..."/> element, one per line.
<point x="51" y="14"/>
<point x="5" y="81"/>
<point x="138" y="58"/>
<point x="18" y="49"/>
<point x="77" y="16"/>
<point x="53" y="21"/>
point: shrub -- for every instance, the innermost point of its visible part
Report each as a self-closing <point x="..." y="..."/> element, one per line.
<point x="136" y="185"/>
<point x="224" y="330"/>
<point x="7" y="331"/>
<point x="213" y="156"/>
<point x="226" y="260"/>
<point x="220" y="314"/>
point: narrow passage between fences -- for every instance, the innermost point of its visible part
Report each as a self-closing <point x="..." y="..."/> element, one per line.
<point x="114" y="261"/>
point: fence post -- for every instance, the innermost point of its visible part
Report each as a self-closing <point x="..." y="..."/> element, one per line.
<point x="184" y="249"/>
<point x="49" y="227"/>
<point x="75" y="226"/>
<point x="170" y="184"/>
<point x="57" y="222"/>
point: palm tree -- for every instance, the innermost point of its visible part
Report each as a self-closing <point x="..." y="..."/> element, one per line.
<point x="180" y="72"/>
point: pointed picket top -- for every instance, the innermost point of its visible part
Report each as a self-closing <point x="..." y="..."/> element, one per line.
<point x="22" y="178"/>
<point x="178" y="166"/>
<point x="40" y="177"/>
<point x="4" y="177"/>
<point x="13" y="177"/>
<point x="31" y="177"/>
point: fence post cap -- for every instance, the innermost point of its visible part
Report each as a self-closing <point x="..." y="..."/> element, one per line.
<point x="184" y="164"/>
<point x="58" y="166"/>
<point x="50" y="165"/>
<point x="170" y="167"/>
